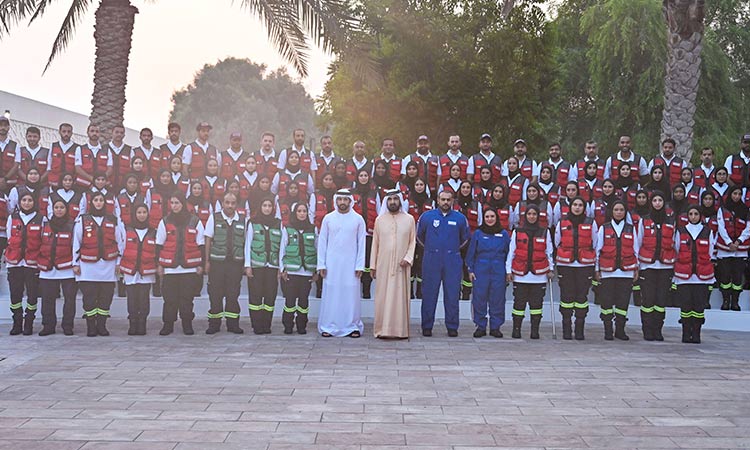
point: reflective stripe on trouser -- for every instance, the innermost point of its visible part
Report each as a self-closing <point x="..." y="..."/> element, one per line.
<point x="615" y="297"/>
<point x="263" y="287"/>
<point x="224" y="282"/>
<point x="23" y="280"/>
<point x="296" y="302"/>
<point x="528" y="293"/>
<point x="97" y="297"/>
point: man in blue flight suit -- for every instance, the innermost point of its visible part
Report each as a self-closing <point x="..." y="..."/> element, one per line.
<point x="442" y="232"/>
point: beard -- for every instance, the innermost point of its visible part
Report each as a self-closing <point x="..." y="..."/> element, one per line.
<point x="394" y="207"/>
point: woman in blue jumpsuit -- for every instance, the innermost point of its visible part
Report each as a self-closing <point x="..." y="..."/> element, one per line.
<point x="485" y="261"/>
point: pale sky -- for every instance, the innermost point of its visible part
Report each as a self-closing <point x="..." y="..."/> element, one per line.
<point x="172" y="40"/>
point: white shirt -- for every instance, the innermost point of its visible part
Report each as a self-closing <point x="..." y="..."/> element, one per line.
<point x="529" y="278"/>
<point x="99" y="271"/>
<point x="209" y="231"/>
<point x="573" y="174"/>
<point x="161" y="237"/>
<point x="358" y="164"/>
<point x="275" y="182"/>
<point x="454" y="156"/>
<point x="668" y="161"/>
<point x="694" y="229"/>
<point x="470" y="168"/>
<point x="642" y="165"/>
<point x="728" y="161"/>
<point x="302" y="151"/>
<point x="67" y="195"/>
<point x="267" y="156"/>
<point x="32" y="151"/>
<point x="534" y="166"/>
<point x="232" y="154"/>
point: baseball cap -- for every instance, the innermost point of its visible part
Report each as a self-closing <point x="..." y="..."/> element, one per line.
<point x="519" y="141"/>
<point x="235" y="134"/>
<point x="4" y="119"/>
<point x="423" y="138"/>
<point x="203" y="125"/>
<point x="486" y="136"/>
<point x="744" y="138"/>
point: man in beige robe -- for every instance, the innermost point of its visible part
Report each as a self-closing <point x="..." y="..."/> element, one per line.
<point x="393" y="242"/>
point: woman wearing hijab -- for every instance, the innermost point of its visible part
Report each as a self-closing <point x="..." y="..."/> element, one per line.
<point x="533" y="197"/>
<point x="515" y="181"/>
<point x="324" y="198"/>
<point x="453" y="182"/>
<point x="656" y="255"/>
<point x="75" y="201"/>
<point x="708" y="213"/>
<point x="197" y="204"/>
<point x="411" y="173"/>
<point x="138" y="165"/>
<point x="678" y="206"/>
<point x="658" y="181"/>
<point x="367" y="205"/>
<point x="616" y="269"/>
<point x="590" y="186"/>
<point x="642" y="208"/>
<point x="56" y="269"/>
<point x="472" y="210"/>
<point x="293" y="173"/>
<point x="550" y="189"/>
<point x="720" y="185"/>
<point x="529" y="267"/>
<point x="575" y="239"/>
<point x="299" y="256"/>
<point x="214" y="187"/>
<point x="34" y="187"/>
<point x="499" y="203"/>
<point x="262" y="248"/>
<point x="627" y="186"/>
<point x="180" y="236"/>
<point x="180" y="181"/>
<point x="485" y="261"/>
<point x="340" y="178"/>
<point x="381" y="178"/>
<point x="563" y="205"/>
<point x="419" y="202"/>
<point x="24" y="228"/>
<point x="602" y="206"/>
<point x="693" y="273"/>
<point x="483" y="188"/>
<point x="732" y="245"/>
<point x="100" y="184"/>
<point x="138" y="267"/>
<point x="693" y="190"/>
<point x="98" y="240"/>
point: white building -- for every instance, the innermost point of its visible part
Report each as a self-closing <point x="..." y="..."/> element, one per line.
<point x="24" y="112"/>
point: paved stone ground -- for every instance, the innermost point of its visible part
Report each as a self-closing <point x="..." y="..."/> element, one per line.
<point x="307" y="392"/>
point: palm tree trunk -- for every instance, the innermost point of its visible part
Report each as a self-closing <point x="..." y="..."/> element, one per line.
<point x="113" y="32"/>
<point x="685" y="42"/>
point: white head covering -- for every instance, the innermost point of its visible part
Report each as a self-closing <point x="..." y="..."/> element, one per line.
<point x="389" y="194"/>
<point x="343" y="193"/>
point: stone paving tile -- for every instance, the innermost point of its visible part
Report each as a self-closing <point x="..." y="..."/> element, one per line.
<point x="304" y="392"/>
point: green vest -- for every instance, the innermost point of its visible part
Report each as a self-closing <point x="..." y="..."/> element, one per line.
<point x="223" y="233"/>
<point x="298" y="256"/>
<point x="264" y="249"/>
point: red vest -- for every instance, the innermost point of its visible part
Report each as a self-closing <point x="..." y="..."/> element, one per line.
<point x="628" y="197"/>
<point x="394" y="167"/>
<point x="694" y="195"/>
<point x="581" y="169"/>
<point x="74" y="205"/>
<point x="91" y="163"/>
<point x="62" y="162"/>
<point x="427" y="170"/>
<point x="24" y="241"/>
<point x="56" y="250"/>
<point x="127" y="209"/>
<point x="738" y="173"/>
<point x="672" y="171"/>
<point x="267" y="168"/>
<point x="181" y="246"/>
<point x="372" y="211"/>
<point x="600" y="212"/>
<point x="215" y="193"/>
<point x="561" y="174"/>
<point x="734" y="227"/>
<point x="416" y="212"/>
<point x="496" y="164"/>
<point x="321" y="209"/>
<point x="203" y="211"/>
<point x="7" y="161"/>
<point x="285" y="179"/>
<point x="658" y="243"/>
<point x="503" y="216"/>
<point x="694" y="256"/>
<point x="576" y="243"/>
<point x="701" y="179"/>
<point x="530" y="258"/>
<point x="587" y="192"/>
<point x="231" y="168"/>
<point x="156" y="209"/>
<point x="351" y="170"/>
<point x="618" y="252"/>
<point x="199" y="159"/>
<point x="514" y="190"/>
<point x="285" y="210"/>
<point x="154" y="164"/>
<point x="139" y="255"/>
<point x="166" y="154"/>
<point x="527" y="168"/>
<point x="445" y="167"/>
<point x="121" y="165"/>
<point x="553" y="196"/>
<point x="635" y="168"/>
<point x="3" y="212"/>
<point x="305" y="160"/>
<point x="543" y="219"/>
<point x="324" y="168"/>
<point x="99" y="242"/>
<point x="39" y="161"/>
<point x="472" y="214"/>
<point x="447" y="187"/>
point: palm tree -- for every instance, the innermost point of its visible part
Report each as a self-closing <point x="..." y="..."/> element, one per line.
<point x="685" y="22"/>
<point x="328" y="23"/>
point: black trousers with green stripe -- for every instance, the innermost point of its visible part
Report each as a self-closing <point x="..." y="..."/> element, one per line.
<point x="655" y="286"/>
<point x="97" y="297"/>
<point x="224" y="283"/>
<point x="23" y="279"/>
<point x="263" y="288"/>
<point x="615" y="297"/>
<point x="692" y="299"/>
<point x="297" y="292"/>
<point x="575" y="283"/>
<point x="528" y="293"/>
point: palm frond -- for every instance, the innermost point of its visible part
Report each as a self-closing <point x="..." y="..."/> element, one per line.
<point x="328" y="22"/>
<point x="282" y="21"/>
<point x="40" y="8"/>
<point x="75" y="12"/>
<point x="13" y="11"/>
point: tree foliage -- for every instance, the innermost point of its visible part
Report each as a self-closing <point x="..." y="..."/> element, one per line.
<point x="238" y="95"/>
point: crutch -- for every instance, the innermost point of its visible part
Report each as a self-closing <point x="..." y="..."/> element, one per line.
<point x="552" y="308"/>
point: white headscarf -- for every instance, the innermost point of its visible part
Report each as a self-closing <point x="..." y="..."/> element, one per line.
<point x="389" y="194"/>
<point x="343" y="193"/>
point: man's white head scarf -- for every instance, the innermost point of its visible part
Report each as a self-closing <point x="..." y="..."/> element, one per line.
<point x="389" y="194"/>
<point x="343" y="193"/>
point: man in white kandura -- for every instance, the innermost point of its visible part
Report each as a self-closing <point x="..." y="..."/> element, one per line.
<point x="341" y="261"/>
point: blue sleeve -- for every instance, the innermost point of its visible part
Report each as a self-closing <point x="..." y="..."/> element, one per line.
<point x="471" y="253"/>
<point x="506" y="243"/>
<point x="465" y="234"/>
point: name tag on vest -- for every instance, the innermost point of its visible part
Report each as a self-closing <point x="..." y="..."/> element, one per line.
<point x="450" y="222"/>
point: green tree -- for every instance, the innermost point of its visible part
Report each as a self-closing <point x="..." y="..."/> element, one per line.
<point x="288" y="23"/>
<point x="237" y="95"/>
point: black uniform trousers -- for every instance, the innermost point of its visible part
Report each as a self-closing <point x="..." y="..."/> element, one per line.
<point x="615" y="297"/>
<point x="263" y="288"/>
<point x="575" y="283"/>
<point x="139" y="301"/>
<point x="224" y="282"/>
<point x="692" y="301"/>
<point x="49" y="290"/>
<point x="178" y="291"/>
<point x="655" y="286"/>
<point x="366" y="278"/>
<point x="20" y="280"/>
<point x="97" y="297"/>
<point x="729" y="272"/>
<point x="416" y="267"/>
<point x="296" y="292"/>
<point x="531" y="294"/>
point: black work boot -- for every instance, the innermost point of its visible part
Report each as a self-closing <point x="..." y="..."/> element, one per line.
<point x="480" y="332"/>
<point x="133" y="327"/>
<point x="142" y="325"/>
<point x="696" y="332"/>
<point x="687" y="330"/>
<point x="28" y="324"/>
<point x="465" y="293"/>
<point x="648" y="335"/>
<point x="121" y="289"/>
<point x="517" y="322"/>
<point x="726" y="297"/>
<point x="620" y="328"/>
<point x="233" y="326"/>
<point x="658" y="324"/>
<point x="580" y="323"/>
<point x="735" y="301"/>
<point x="418" y="294"/>
<point x="91" y="326"/>
<point x="101" y="325"/>
<point x="167" y="329"/>
<point x="608" y="333"/>
<point x="187" y="326"/>
<point x="17" y="323"/>
<point x="536" y="319"/>
<point x="214" y="326"/>
<point x="567" y="325"/>
<point x="47" y="330"/>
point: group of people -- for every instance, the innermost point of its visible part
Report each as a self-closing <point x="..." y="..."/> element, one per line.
<point x="96" y="215"/>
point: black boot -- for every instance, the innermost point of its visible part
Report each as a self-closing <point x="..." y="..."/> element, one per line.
<point x="419" y="290"/>
<point x="687" y="330"/>
<point x="465" y="293"/>
<point x="214" y="326"/>
<point x="187" y="326"/>
<point x="47" y="330"/>
<point x="167" y="329"/>
<point x="28" y="324"/>
<point x="696" y="332"/>
<point x="366" y="283"/>
<point x="156" y="287"/>
<point x="101" y="325"/>
<point x="567" y="325"/>
<point x="735" y="301"/>
<point x="726" y="299"/>
<point x="658" y="324"/>
<point x="67" y="330"/>
<point x="142" y="325"/>
<point x="17" y="323"/>
<point x="91" y="326"/>
<point x="480" y="332"/>
<point x="648" y="335"/>
<point x="536" y="319"/>
<point x="580" y="323"/>
<point x="133" y="327"/>
<point x="233" y="326"/>
<point x="517" y="322"/>
<point x="121" y="289"/>
<point x="608" y="333"/>
<point x="620" y="328"/>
